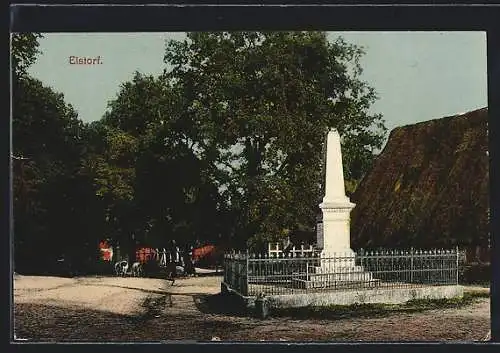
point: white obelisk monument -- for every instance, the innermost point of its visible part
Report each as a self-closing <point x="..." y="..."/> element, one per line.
<point x="337" y="260"/>
<point x="336" y="206"/>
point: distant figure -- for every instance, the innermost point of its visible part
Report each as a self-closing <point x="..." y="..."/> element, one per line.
<point x="111" y="253"/>
<point x="188" y="261"/>
<point x="177" y="256"/>
<point x="171" y="272"/>
<point x="182" y="258"/>
<point x="174" y="253"/>
<point x="163" y="257"/>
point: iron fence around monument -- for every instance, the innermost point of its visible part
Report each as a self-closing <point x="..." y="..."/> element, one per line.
<point x="236" y="271"/>
<point x="250" y="274"/>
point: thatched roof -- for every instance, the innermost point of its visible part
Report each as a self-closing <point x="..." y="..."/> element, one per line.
<point x="428" y="188"/>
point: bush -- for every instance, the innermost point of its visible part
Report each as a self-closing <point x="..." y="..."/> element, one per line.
<point x="476" y="273"/>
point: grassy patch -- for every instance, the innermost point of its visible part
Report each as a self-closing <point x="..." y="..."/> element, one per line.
<point x="378" y="310"/>
<point x="473" y="294"/>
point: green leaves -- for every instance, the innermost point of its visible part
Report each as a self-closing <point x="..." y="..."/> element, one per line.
<point x="153" y="137"/>
<point x="269" y="98"/>
<point x="44" y="126"/>
<point x="24" y="49"/>
<point x="54" y="205"/>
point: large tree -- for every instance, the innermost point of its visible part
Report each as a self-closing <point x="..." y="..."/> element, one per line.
<point x="55" y="209"/>
<point x="174" y="193"/>
<point x="48" y="190"/>
<point x="262" y="104"/>
<point x="109" y="162"/>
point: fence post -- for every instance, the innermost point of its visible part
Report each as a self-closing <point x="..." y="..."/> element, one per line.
<point x="411" y="265"/>
<point x="246" y="274"/>
<point x="224" y="267"/>
<point x="457" y="270"/>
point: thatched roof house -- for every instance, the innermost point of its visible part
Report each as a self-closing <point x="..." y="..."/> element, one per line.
<point x="428" y="188"/>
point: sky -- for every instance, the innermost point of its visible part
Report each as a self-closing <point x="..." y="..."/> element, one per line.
<point x="418" y="76"/>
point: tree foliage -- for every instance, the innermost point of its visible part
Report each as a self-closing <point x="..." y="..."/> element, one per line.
<point x="170" y="206"/>
<point x="55" y="211"/>
<point x="264" y="102"/>
<point x="49" y="193"/>
<point x="24" y="50"/>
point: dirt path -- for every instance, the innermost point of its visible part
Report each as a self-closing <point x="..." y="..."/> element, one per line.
<point x="128" y="309"/>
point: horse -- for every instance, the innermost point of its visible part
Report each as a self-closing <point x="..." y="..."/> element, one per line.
<point x="121" y="268"/>
<point x="137" y="269"/>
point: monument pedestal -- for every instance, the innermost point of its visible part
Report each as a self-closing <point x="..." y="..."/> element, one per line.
<point x="337" y="270"/>
<point x="336" y="238"/>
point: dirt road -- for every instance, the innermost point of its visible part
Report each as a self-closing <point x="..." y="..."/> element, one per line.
<point x="143" y="309"/>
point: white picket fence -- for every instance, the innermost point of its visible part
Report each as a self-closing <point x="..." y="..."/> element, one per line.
<point x="277" y="250"/>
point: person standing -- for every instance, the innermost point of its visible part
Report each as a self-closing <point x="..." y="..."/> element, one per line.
<point x="174" y="253"/>
<point x="188" y="261"/>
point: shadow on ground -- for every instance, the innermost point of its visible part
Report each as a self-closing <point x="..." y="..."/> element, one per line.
<point x="37" y="322"/>
<point x="56" y="324"/>
<point x="220" y="304"/>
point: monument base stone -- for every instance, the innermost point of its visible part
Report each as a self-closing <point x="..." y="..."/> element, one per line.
<point x="335" y="271"/>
